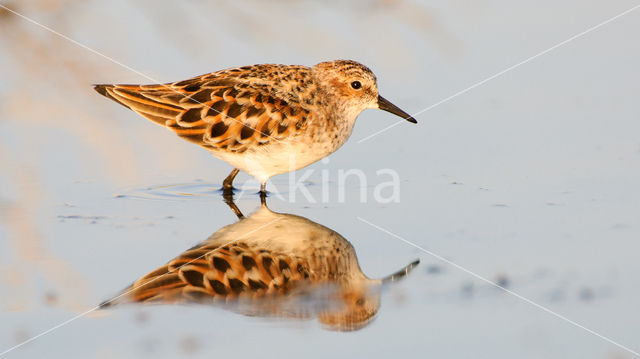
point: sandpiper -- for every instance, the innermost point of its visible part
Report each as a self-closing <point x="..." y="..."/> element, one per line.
<point x="262" y="119"/>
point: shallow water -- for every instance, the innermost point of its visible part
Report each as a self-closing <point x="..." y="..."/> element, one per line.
<point x="529" y="180"/>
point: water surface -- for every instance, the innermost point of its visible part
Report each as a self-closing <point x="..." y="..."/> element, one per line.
<point x="529" y="180"/>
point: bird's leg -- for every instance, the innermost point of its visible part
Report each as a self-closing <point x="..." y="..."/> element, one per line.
<point x="227" y="184"/>
<point x="263" y="194"/>
<point x="228" y="199"/>
<point x="263" y="198"/>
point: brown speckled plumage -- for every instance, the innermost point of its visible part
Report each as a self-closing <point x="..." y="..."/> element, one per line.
<point x="263" y="119"/>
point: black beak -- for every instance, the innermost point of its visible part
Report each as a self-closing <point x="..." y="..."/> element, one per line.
<point x="385" y="105"/>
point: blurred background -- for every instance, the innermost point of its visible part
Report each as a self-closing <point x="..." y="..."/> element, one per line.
<point x="529" y="180"/>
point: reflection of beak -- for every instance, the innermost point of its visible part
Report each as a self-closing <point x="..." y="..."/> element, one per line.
<point x="401" y="273"/>
<point x="385" y="105"/>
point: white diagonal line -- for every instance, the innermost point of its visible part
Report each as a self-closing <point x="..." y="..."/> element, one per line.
<point x="132" y="289"/>
<point x="383" y="130"/>
<point x="504" y="71"/>
<point x="500" y="287"/>
<point x="122" y="65"/>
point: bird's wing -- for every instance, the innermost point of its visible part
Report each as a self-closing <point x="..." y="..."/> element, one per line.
<point x="219" y="111"/>
<point x="217" y="270"/>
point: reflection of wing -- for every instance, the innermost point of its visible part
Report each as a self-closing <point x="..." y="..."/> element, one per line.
<point x="219" y="111"/>
<point x="210" y="271"/>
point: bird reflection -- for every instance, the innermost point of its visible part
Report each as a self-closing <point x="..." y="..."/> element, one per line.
<point x="269" y="265"/>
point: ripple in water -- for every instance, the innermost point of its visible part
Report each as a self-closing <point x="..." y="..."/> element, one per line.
<point x="177" y="191"/>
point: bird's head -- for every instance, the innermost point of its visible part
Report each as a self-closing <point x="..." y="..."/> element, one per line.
<point x="355" y="86"/>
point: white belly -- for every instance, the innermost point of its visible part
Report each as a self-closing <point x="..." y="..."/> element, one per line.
<point x="276" y="158"/>
<point x="290" y="154"/>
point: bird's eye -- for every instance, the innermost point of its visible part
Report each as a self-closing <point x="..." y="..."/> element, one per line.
<point x="356" y="84"/>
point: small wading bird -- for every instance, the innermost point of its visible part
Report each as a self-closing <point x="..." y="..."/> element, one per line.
<point x="262" y="119"/>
